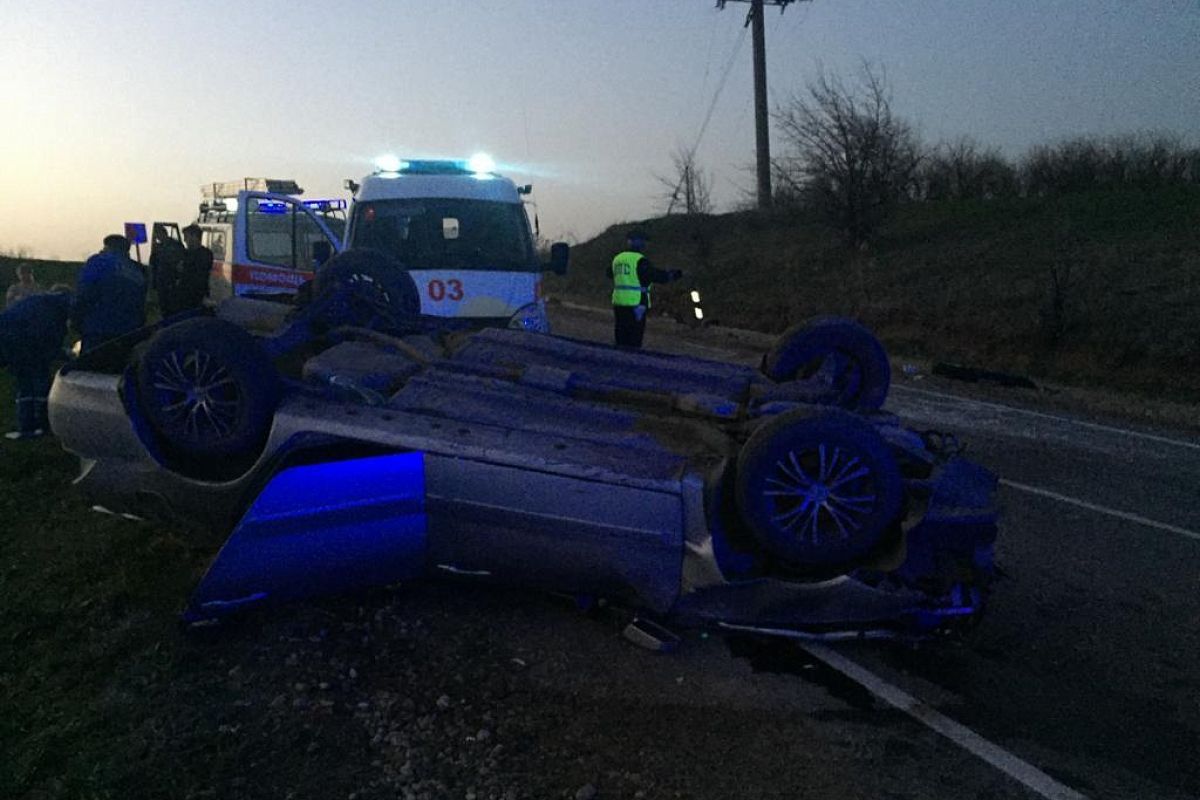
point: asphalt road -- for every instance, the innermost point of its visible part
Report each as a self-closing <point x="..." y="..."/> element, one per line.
<point x="1087" y="668"/>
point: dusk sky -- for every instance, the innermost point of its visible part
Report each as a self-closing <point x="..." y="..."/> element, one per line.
<point x="119" y="111"/>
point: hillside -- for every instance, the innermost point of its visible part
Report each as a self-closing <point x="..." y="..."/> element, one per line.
<point x="967" y="281"/>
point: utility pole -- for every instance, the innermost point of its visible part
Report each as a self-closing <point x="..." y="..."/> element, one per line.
<point x="762" y="129"/>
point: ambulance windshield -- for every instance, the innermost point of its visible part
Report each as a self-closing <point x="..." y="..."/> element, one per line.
<point x="447" y="233"/>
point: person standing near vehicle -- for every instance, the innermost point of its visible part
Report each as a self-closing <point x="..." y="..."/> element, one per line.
<point x="31" y="337"/>
<point x="632" y="275"/>
<point x="111" y="294"/>
<point x="24" y="287"/>
<point x="184" y="284"/>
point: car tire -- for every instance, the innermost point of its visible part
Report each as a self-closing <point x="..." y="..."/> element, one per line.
<point x="818" y="488"/>
<point x="208" y="392"/>
<point x="840" y="354"/>
<point x="367" y="289"/>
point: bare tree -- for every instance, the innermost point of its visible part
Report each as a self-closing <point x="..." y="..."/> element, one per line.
<point x="963" y="170"/>
<point x="1148" y="161"/>
<point x="689" y="188"/>
<point x="21" y="252"/>
<point x="846" y="152"/>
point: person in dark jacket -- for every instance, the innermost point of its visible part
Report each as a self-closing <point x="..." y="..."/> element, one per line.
<point x="632" y="274"/>
<point x="31" y="338"/>
<point x="111" y="294"/>
<point x="184" y="284"/>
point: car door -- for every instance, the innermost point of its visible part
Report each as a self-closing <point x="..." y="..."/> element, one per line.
<point x="278" y="243"/>
<point x="321" y="528"/>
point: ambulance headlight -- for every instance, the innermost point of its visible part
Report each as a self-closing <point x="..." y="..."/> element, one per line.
<point x="531" y="318"/>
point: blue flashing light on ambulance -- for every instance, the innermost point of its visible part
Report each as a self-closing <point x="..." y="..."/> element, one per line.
<point x="456" y="226"/>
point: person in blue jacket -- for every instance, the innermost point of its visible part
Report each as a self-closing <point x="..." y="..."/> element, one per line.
<point x="31" y="338"/>
<point x="110" y="294"/>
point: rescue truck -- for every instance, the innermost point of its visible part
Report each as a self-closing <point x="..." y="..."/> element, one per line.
<point x="456" y="226"/>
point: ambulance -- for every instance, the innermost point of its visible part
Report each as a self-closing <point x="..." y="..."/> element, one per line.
<point x="459" y="228"/>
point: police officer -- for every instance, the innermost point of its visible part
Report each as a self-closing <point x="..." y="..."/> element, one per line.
<point x="111" y="294"/>
<point x="632" y="275"/>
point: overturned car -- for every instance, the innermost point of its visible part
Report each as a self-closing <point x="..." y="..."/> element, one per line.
<point x="355" y="443"/>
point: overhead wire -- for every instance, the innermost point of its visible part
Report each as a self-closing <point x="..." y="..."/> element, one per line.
<point x="717" y="94"/>
<point x="712" y="107"/>
<point x="712" y="37"/>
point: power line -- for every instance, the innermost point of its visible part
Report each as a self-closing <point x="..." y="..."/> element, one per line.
<point x="712" y="107"/>
<point x="712" y="37"/>
<point x="720" y="87"/>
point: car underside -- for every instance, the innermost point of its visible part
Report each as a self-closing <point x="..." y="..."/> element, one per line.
<point x="353" y="444"/>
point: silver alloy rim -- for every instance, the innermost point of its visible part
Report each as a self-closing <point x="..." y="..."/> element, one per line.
<point x="197" y="393"/>
<point x="818" y="494"/>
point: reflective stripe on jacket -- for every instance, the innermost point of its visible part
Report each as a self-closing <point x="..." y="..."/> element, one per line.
<point x="627" y="289"/>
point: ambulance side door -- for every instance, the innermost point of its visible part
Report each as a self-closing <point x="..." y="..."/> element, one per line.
<point x="277" y="244"/>
<point x="220" y="281"/>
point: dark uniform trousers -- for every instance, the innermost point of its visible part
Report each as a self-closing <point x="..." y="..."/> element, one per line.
<point x="629" y="325"/>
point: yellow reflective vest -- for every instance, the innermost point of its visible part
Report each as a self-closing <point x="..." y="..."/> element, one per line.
<point x="627" y="290"/>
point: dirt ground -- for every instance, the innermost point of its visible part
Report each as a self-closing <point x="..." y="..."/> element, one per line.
<point x="436" y="691"/>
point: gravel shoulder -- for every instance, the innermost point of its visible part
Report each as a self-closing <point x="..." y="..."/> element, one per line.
<point x="451" y="690"/>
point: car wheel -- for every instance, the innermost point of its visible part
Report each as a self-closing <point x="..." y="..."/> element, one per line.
<point x="368" y="289"/>
<point x="207" y="391"/>
<point x="818" y="488"/>
<point x="838" y="355"/>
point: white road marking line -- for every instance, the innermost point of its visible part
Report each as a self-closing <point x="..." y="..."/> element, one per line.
<point x="1112" y="512"/>
<point x="1095" y="425"/>
<point x="1023" y="772"/>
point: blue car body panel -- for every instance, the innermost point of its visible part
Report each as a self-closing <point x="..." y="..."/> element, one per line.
<point x="557" y="532"/>
<point x="319" y="529"/>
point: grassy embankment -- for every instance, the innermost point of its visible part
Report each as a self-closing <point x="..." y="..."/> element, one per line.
<point x="104" y="697"/>
<point x="92" y="667"/>
<point x="962" y="281"/>
<point x="88" y="629"/>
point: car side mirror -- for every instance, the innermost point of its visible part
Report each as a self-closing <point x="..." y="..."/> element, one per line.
<point x="560" y="256"/>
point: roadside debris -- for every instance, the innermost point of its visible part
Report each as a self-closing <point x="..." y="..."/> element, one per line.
<point x="960" y="372"/>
